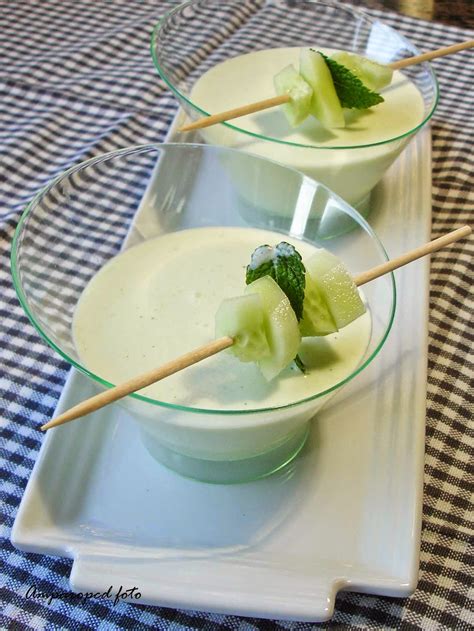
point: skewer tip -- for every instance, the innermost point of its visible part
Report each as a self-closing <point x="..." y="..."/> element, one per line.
<point x="65" y="417"/>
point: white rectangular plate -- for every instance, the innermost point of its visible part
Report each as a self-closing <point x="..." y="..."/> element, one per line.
<point x="345" y="515"/>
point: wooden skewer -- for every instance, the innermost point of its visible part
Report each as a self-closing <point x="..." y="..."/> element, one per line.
<point x="237" y="112"/>
<point x="243" y="110"/>
<point x="141" y="381"/>
<point x="434" y="54"/>
<point x="408" y="257"/>
<point x="207" y="350"/>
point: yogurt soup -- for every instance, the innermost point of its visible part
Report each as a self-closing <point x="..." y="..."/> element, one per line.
<point x="336" y="157"/>
<point x="158" y="300"/>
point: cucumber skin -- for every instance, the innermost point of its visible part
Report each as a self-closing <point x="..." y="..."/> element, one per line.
<point x="325" y="105"/>
<point x="281" y="326"/>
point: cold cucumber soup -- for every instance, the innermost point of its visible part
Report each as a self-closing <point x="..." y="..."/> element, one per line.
<point x="351" y="173"/>
<point x="158" y="300"/>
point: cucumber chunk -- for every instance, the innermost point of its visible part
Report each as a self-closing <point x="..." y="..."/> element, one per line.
<point x="336" y="286"/>
<point x="281" y="326"/>
<point x="242" y="318"/>
<point x="317" y="319"/>
<point x="372" y="74"/>
<point x="325" y="105"/>
<point x="289" y="81"/>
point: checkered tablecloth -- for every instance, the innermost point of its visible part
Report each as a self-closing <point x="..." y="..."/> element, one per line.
<point x="76" y="80"/>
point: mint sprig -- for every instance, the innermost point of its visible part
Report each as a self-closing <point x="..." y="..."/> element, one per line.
<point x="283" y="263"/>
<point x="352" y="93"/>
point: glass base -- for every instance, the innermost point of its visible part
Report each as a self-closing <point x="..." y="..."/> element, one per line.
<point x="225" y="471"/>
<point x="363" y="207"/>
<point x="326" y="220"/>
<point x="333" y="223"/>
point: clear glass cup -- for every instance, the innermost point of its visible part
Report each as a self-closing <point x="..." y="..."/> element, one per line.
<point x="83" y="218"/>
<point x="196" y="36"/>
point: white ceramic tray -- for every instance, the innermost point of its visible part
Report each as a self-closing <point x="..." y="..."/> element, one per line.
<point x="345" y="515"/>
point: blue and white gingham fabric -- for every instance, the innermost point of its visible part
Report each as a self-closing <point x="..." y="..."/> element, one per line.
<point x="77" y="80"/>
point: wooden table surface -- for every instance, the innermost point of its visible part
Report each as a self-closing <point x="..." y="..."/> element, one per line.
<point x="453" y="12"/>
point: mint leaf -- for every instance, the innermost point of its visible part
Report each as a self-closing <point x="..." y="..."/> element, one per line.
<point x="352" y="93"/>
<point x="283" y="263"/>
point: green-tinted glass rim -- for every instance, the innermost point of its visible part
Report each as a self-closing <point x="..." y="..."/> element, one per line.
<point x="183" y="97"/>
<point x="107" y="384"/>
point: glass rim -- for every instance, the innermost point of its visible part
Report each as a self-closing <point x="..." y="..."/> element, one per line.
<point x="140" y="397"/>
<point x="186" y="99"/>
